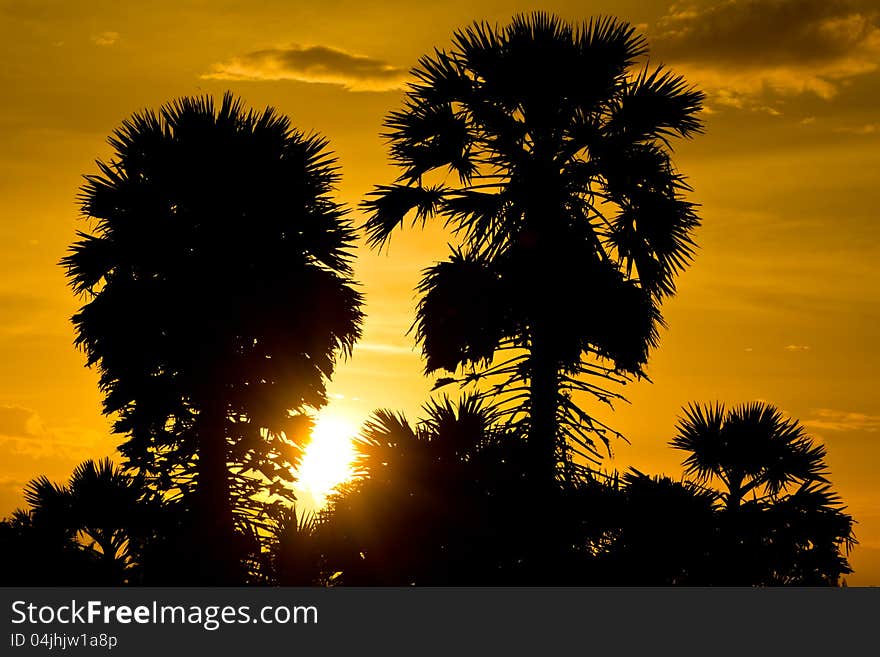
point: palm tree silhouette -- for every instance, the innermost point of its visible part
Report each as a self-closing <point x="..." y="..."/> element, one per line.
<point x="217" y="278"/>
<point x="418" y="511"/>
<point x="294" y="557"/>
<point x="781" y="521"/>
<point x="112" y="510"/>
<point x="95" y="522"/>
<point x="751" y="449"/>
<point x="549" y="158"/>
<point x="448" y="501"/>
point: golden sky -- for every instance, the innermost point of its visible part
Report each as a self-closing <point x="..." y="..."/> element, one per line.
<point x="781" y="304"/>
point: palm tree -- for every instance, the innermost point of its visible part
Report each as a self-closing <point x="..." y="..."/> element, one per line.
<point x="94" y="524"/>
<point x="111" y="511"/>
<point x="217" y="277"/>
<point x="782" y="522"/>
<point x="294" y="558"/>
<point x="419" y="510"/>
<point x="447" y="501"/>
<point x="549" y="156"/>
<point x="750" y="449"/>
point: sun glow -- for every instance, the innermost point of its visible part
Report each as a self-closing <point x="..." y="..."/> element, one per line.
<point x="327" y="461"/>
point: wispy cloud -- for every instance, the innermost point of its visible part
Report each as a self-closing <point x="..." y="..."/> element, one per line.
<point x="833" y="420"/>
<point x="741" y="50"/>
<point x="316" y="64"/>
<point x="796" y="347"/>
<point x="385" y="348"/>
<point x="23" y="432"/>
<point x="863" y="129"/>
<point x="105" y="39"/>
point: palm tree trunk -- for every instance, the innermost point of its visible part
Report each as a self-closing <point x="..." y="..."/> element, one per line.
<point x="542" y="436"/>
<point x="735" y="490"/>
<point x="214" y="509"/>
<point x="544" y="390"/>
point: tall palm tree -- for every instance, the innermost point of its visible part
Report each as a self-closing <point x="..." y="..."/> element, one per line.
<point x="548" y="154"/>
<point x="217" y="277"/>
<point x="782" y="522"/>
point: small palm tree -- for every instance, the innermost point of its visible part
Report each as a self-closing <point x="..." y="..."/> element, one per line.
<point x="98" y="519"/>
<point x="751" y="449"/>
<point x="418" y="511"/>
<point x="294" y="557"/>
<point x="781" y="522"/>
<point x="217" y="278"/>
<point x="549" y="157"/>
<point x="110" y="510"/>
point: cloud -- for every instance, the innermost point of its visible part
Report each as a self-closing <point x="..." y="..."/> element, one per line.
<point x="391" y="349"/>
<point x="23" y="433"/>
<point x="833" y="420"/>
<point x="19" y="422"/>
<point x="740" y="50"/>
<point x="864" y="129"/>
<point x="105" y="39"/>
<point x="797" y="347"/>
<point x="317" y="64"/>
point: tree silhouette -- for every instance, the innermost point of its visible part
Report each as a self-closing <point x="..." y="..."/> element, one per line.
<point x="657" y="532"/>
<point x="417" y="513"/>
<point x="217" y="278"/>
<point x="113" y="513"/>
<point x="94" y="524"/>
<point x="750" y="449"/>
<point x="36" y="554"/>
<point x="294" y="557"/>
<point x="781" y="522"/>
<point x="548" y="154"/>
<point x="447" y="501"/>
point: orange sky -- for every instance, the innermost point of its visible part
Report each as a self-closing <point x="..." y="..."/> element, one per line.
<point x="782" y="303"/>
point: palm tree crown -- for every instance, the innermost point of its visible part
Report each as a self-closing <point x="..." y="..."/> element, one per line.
<point x="751" y="448"/>
<point x="549" y="157"/>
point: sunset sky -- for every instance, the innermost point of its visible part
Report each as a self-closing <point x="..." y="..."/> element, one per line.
<point x="781" y="304"/>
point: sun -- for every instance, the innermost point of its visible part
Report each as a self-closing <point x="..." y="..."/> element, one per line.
<point x="327" y="461"/>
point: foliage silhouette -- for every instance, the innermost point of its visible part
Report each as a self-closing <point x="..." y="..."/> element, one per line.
<point x="548" y="153"/>
<point x="87" y="531"/>
<point x="217" y="279"/>
<point x="781" y="523"/>
<point x="294" y="557"/>
<point x="448" y="502"/>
